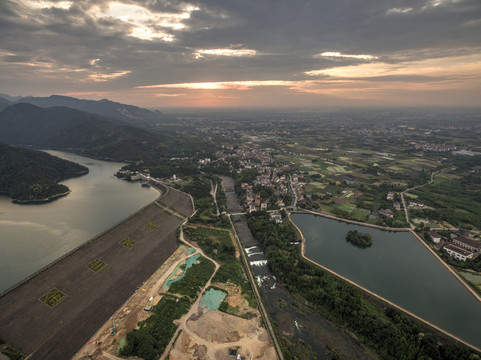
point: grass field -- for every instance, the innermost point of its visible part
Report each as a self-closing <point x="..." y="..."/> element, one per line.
<point x="336" y="169"/>
<point x="346" y="207"/>
<point x="128" y="243"/>
<point x="354" y="211"/>
<point x="151" y="225"/>
<point x="53" y="298"/>
<point x="97" y="265"/>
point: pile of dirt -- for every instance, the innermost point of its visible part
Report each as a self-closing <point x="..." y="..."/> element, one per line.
<point x="214" y="334"/>
<point x="236" y="300"/>
<point x="214" y="327"/>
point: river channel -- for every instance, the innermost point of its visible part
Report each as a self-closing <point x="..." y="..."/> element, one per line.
<point x="34" y="235"/>
<point x="397" y="267"/>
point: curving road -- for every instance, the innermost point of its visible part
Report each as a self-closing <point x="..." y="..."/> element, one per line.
<point x="195" y="306"/>
<point x="406" y="212"/>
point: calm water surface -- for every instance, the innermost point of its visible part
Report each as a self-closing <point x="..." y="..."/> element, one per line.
<point x="32" y="236"/>
<point x="397" y="267"/>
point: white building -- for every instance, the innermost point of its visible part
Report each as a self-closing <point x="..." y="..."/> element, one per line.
<point x="435" y="236"/>
<point x="458" y="253"/>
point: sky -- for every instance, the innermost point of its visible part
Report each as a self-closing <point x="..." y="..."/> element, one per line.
<point x="245" y="53"/>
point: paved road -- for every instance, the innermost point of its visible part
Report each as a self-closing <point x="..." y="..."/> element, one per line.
<point x="406" y="212"/>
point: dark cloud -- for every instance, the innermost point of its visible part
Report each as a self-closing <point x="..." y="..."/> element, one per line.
<point x="87" y="39"/>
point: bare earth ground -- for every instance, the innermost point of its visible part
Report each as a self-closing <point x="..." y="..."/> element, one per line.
<point x="204" y="335"/>
<point x="56" y="333"/>
<point x="212" y="335"/>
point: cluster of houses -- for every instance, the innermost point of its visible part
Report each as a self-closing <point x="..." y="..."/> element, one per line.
<point x="128" y="175"/>
<point x="435" y="147"/>
<point x="460" y="248"/>
<point x="269" y="176"/>
<point x="278" y="182"/>
<point x="248" y="158"/>
<point x="253" y="200"/>
<point x="413" y="205"/>
<point x="388" y="213"/>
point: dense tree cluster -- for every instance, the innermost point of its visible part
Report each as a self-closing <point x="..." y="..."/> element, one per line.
<point x="28" y="175"/>
<point x="392" y="334"/>
<point x="199" y="186"/>
<point x="218" y="244"/>
<point x="360" y="239"/>
<point x="153" y="335"/>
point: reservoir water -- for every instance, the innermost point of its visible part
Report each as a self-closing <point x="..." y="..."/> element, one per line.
<point x="397" y="267"/>
<point x="32" y="236"/>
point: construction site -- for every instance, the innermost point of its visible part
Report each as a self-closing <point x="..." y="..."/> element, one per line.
<point x="203" y="333"/>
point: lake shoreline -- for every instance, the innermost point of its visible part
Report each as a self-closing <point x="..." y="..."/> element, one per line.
<point x="57" y="260"/>
<point x="377" y="296"/>
<point x="40" y="201"/>
<point x="332" y="217"/>
<point x="451" y="270"/>
<point x="384" y="228"/>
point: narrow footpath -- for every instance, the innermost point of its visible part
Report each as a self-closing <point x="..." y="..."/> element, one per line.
<point x="406" y="212"/>
<point x="213" y="192"/>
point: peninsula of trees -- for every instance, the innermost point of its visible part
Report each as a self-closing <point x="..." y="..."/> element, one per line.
<point x="31" y="176"/>
<point x="359" y="239"/>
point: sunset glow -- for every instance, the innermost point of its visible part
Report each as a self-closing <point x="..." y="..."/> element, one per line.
<point x="162" y="54"/>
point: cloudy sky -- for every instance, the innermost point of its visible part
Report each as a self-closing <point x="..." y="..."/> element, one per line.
<point x="244" y="53"/>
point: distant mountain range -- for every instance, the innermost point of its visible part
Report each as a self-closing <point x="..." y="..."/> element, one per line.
<point x="64" y="128"/>
<point x="114" y="111"/>
<point x="28" y="175"/>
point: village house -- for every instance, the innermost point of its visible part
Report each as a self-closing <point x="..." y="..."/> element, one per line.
<point x="277" y="218"/>
<point x="386" y="213"/>
<point x="413" y="204"/>
<point x="435" y="236"/>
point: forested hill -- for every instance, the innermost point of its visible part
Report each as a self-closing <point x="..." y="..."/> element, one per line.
<point x="63" y="128"/>
<point x="129" y="114"/>
<point x="29" y="175"/>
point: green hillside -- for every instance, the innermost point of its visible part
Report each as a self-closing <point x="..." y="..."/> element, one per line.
<point x="29" y="175"/>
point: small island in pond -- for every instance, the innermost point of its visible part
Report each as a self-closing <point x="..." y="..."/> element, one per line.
<point x="31" y="176"/>
<point x="359" y="239"/>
